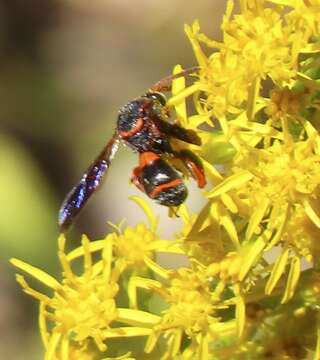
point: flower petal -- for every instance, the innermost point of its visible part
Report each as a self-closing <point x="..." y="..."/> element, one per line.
<point x="177" y="99"/>
<point x="156" y="268"/>
<point x="257" y="216"/>
<point x="293" y="278"/>
<point x="137" y="317"/>
<point x="226" y="221"/>
<point x="178" y="85"/>
<point x="254" y="253"/>
<point x="147" y="210"/>
<point x="35" y="272"/>
<point x="311" y="213"/>
<point x="53" y="345"/>
<point x="282" y="221"/>
<point x="240" y="315"/>
<point x="191" y="31"/>
<point x="43" y="324"/>
<point x="229" y="203"/>
<point x="129" y="331"/>
<point x="136" y="282"/>
<point x="64" y="348"/>
<point x="211" y="171"/>
<point x="253" y="93"/>
<point x="277" y="271"/>
<point x="204" y="348"/>
<point x="231" y="182"/>
<point x="93" y="247"/>
<point x="317" y="349"/>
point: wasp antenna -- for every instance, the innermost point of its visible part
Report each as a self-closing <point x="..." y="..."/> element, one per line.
<point x="165" y="83"/>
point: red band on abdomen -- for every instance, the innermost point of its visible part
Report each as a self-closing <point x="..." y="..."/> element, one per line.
<point x="162" y="187"/>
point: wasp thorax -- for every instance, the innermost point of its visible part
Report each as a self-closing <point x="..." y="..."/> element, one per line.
<point x="130" y="114"/>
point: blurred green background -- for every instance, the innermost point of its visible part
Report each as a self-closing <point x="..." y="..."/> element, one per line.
<point x="66" y="68"/>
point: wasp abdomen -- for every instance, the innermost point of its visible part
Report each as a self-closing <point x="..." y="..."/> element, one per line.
<point x="160" y="181"/>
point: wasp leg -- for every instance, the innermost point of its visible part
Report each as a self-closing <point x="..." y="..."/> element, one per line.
<point x="135" y="178"/>
<point x="194" y="166"/>
<point x="165" y="83"/>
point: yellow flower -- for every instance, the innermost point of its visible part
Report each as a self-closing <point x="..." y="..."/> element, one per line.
<point x="283" y="102"/>
<point x="83" y="307"/>
<point x="192" y="311"/>
<point x="271" y="184"/>
<point x="302" y="233"/>
<point x="190" y="302"/>
<point x="279" y="186"/>
<point x="137" y="247"/>
<point x="258" y="43"/>
<point x="283" y="175"/>
<point x="305" y="15"/>
<point x="231" y="302"/>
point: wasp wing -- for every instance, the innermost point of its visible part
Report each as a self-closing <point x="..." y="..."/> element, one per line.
<point x="178" y="132"/>
<point x="90" y="181"/>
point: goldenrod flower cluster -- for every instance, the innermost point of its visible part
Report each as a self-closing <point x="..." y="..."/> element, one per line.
<point x="244" y="294"/>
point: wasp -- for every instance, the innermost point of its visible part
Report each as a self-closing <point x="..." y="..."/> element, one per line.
<point x="143" y="126"/>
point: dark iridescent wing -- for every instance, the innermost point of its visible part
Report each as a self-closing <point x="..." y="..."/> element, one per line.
<point x="89" y="182"/>
<point x="178" y="132"/>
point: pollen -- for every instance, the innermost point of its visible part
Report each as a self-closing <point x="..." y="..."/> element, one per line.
<point x="190" y="302"/>
<point x="84" y="307"/>
<point x="283" y="174"/>
<point x="136" y="244"/>
<point x="303" y="235"/>
<point x="283" y="102"/>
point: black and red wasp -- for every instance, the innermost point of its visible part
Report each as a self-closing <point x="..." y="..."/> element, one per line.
<point x="143" y="125"/>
